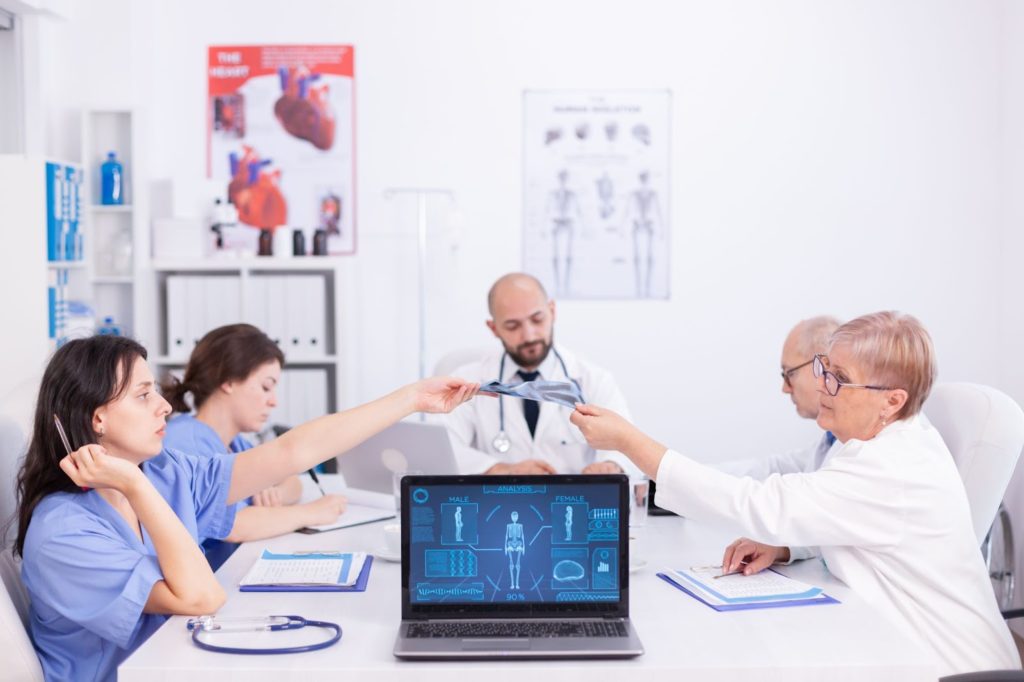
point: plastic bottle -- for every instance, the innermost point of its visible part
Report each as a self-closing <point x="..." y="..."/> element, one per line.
<point x="111" y="181"/>
<point x="108" y="328"/>
<point x="298" y="243"/>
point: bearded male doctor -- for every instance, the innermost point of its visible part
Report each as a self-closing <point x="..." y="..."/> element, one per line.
<point x="505" y="435"/>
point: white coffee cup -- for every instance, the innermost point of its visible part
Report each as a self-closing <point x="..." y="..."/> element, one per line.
<point x="393" y="538"/>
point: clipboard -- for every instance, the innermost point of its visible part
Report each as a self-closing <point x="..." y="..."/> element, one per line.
<point x="824" y="599"/>
<point x="358" y="586"/>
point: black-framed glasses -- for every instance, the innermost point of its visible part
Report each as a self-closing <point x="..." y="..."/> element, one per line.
<point x="787" y="374"/>
<point x="832" y="382"/>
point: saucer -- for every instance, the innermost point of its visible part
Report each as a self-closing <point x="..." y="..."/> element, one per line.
<point x="386" y="555"/>
<point x="636" y="564"/>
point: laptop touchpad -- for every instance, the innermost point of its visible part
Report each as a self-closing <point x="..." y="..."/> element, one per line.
<point x="494" y="644"/>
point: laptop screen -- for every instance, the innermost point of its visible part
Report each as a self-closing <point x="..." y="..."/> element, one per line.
<point x="515" y="545"/>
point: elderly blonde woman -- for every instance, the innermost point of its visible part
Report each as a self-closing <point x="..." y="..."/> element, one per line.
<point x="888" y="508"/>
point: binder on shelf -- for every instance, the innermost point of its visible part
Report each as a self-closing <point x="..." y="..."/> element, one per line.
<point x="195" y="311"/>
<point x="277" y="311"/>
<point x="178" y="346"/>
<point x="222" y="301"/>
<point x="256" y="303"/>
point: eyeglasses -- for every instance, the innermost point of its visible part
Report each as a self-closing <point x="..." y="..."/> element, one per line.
<point x="832" y="382"/>
<point x="788" y="373"/>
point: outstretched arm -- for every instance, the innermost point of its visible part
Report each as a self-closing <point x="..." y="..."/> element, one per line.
<point x="307" y="445"/>
<point x="606" y="430"/>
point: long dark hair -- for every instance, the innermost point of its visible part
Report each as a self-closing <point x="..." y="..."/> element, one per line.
<point x="82" y="376"/>
<point x="228" y="353"/>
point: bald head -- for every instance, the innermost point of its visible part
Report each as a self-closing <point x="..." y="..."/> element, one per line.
<point x="515" y="284"/>
<point x="523" y="318"/>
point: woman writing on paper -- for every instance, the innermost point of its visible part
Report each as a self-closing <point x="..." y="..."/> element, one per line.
<point x="888" y="509"/>
<point x="232" y="376"/>
<point x="104" y="566"/>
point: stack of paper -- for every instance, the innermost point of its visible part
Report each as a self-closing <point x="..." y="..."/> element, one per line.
<point x="328" y="569"/>
<point x="738" y="591"/>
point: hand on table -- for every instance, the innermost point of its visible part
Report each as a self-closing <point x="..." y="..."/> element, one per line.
<point x="758" y="556"/>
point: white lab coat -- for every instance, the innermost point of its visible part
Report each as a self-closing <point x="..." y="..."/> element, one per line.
<point x="474" y="424"/>
<point x="804" y="461"/>
<point x="891" y="518"/>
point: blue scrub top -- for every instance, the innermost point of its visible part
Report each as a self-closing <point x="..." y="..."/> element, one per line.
<point x="185" y="433"/>
<point x="89" y="576"/>
<point x="188" y="434"/>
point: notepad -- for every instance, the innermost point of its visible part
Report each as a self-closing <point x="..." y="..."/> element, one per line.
<point x="325" y="569"/>
<point x="737" y="591"/>
<point x="364" y="506"/>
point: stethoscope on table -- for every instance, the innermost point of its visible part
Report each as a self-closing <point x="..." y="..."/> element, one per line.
<point x="501" y="442"/>
<point x="210" y="624"/>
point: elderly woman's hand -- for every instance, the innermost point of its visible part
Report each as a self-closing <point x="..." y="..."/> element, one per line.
<point x="749" y="557"/>
<point x="603" y="429"/>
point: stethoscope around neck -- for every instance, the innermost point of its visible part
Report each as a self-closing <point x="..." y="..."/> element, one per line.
<point x="501" y="442"/>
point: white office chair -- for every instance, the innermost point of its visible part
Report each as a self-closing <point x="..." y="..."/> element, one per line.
<point x="18" y="657"/>
<point x="12" y="448"/>
<point x="984" y="430"/>
<point x="462" y="356"/>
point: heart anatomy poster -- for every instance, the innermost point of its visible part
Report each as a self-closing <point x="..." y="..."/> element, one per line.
<point x="596" y="190"/>
<point x="281" y="137"/>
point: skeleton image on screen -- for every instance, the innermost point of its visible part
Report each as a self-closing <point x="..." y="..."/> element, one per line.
<point x="564" y="212"/>
<point x="458" y="524"/>
<point x="515" y="548"/>
<point x="568" y="524"/>
<point x="644" y="213"/>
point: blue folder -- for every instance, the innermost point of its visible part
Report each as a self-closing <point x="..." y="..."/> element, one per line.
<point x="359" y="586"/>
<point x="825" y="599"/>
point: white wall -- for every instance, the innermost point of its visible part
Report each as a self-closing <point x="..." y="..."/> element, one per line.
<point x="1012" y="250"/>
<point x="841" y="157"/>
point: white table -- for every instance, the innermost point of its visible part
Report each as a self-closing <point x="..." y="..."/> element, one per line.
<point x="684" y="639"/>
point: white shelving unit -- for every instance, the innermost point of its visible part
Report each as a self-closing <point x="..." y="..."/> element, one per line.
<point x="111" y="258"/>
<point x="255" y="290"/>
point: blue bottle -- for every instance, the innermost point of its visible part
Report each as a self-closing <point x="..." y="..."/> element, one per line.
<point x="111" y="181"/>
<point x="108" y="328"/>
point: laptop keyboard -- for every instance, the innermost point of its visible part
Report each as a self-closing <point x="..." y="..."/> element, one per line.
<point x="540" y="628"/>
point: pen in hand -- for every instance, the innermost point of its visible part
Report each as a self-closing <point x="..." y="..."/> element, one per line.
<point x="316" y="479"/>
<point x="64" y="440"/>
<point x="738" y="570"/>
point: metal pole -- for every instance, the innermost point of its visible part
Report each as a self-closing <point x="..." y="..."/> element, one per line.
<point x="421" y="194"/>
<point x="422" y="248"/>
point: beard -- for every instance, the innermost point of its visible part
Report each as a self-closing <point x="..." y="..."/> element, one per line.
<point x="518" y="354"/>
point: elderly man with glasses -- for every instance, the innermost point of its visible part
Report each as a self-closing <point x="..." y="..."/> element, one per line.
<point x="805" y="341"/>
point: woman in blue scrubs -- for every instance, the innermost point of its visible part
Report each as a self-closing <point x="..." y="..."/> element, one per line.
<point x="108" y="533"/>
<point x="232" y="376"/>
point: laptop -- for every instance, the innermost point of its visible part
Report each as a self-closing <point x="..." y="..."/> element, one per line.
<point x="515" y="567"/>
<point x="405" y="446"/>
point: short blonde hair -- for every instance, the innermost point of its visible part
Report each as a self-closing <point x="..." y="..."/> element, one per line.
<point x="893" y="349"/>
